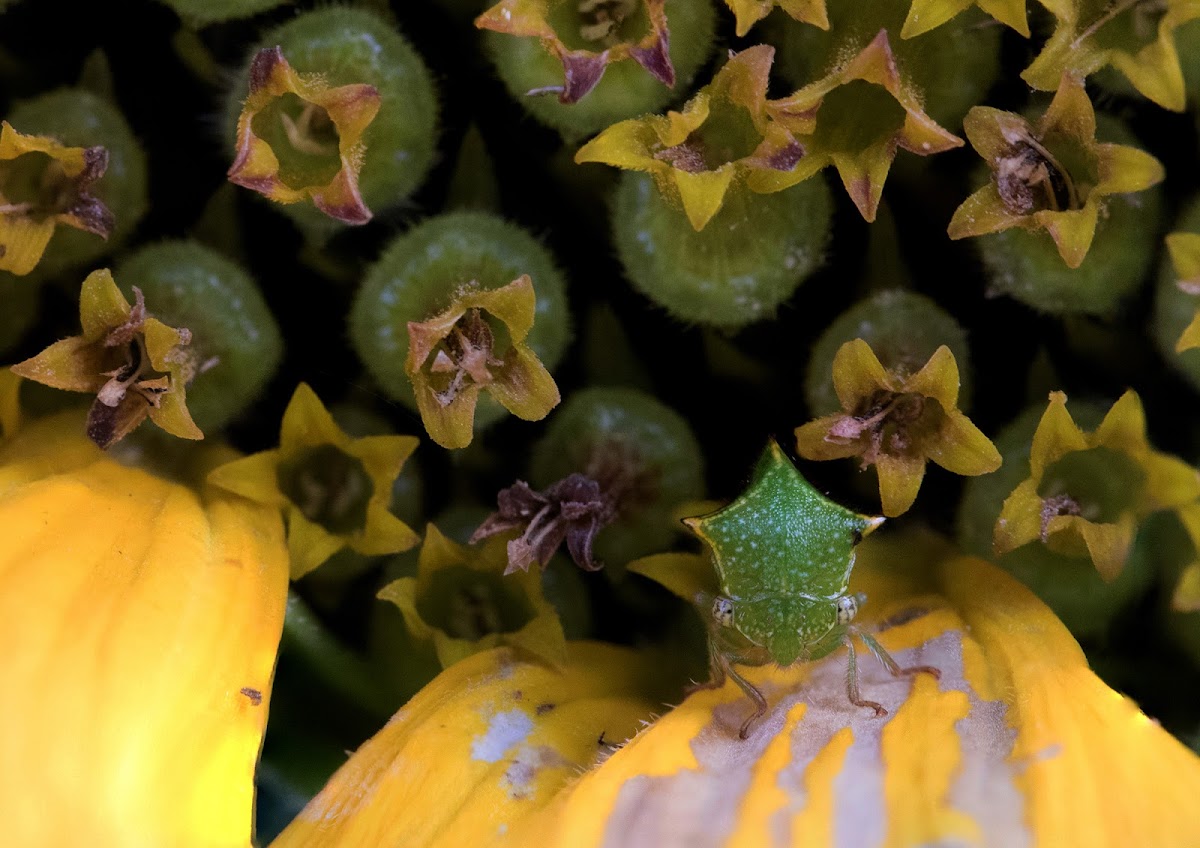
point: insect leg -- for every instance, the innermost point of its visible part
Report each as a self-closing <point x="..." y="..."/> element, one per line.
<point x="889" y="661"/>
<point x="852" y="682"/>
<point x="760" y="702"/>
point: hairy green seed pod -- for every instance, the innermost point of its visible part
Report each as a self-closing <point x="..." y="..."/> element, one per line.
<point x="626" y="89"/>
<point x="750" y="258"/>
<point x="348" y="46"/>
<point x="644" y="450"/>
<point x="235" y="339"/>
<point x="902" y="327"/>
<point x="418" y="276"/>
<point x="1070" y="586"/>
<point x="79" y="118"/>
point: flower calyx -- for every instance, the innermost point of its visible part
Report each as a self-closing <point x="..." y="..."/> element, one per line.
<point x="587" y="36"/>
<point x="1049" y="175"/>
<point x="897" y="421"/>
<point x="334" y="490"/>
<point x="724" y="139"/>
<point x="299" y="139"/>
<point x="1136" y="37"/>
<point x="476" y="345"/>
<point x="137" y="366"/>
<point x="856" y="118"/>
<point x="42" y="184"/>
<point x="461" y="602"/>
<point x="1185" y="257"/>
<point x="1087" y="492"/>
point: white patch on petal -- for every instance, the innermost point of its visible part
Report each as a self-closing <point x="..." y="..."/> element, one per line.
<point x="505" y="731"/>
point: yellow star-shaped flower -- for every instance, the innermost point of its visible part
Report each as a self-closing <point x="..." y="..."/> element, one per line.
<point x="1087" y="492"/>
<point x="855" y="119"/>
<point x="1050" y="174"/>
<point x="722" y="140"/>
<point x="136" y="365"/>
<point x="43" y="184"/>
<point x="334" y="490"/>
<point x="898" y="422"/>
<point x="298" y="139"/>
<point x="1134" y="36"/>
<point x="925" y="15"/>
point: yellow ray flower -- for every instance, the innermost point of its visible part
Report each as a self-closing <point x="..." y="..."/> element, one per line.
<point x="463" y="602"/>
<point x="924" y="15"/>
<point x="136" y="365"/>
<point x="1020" y="743"/>
<point x="142" y="621"/>
<point x="750" y="12"/>
<point x="722" y="141"/>
<point x="1087" y="492"/>
<point x="1137" y="37"/>
<point x="1185" y="256"/>
<point x="456" y="354"/>
<point x="43" y="184"/>
<point x="835" y="127"/>
<point x="898" y="422"/>
<point x="335" y="490"/>
<point x="587" y="36"/>
<point x="298" y="139"/>
<point x="1049" y="175"/>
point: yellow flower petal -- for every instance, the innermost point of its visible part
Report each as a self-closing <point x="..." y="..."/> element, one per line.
<point x="962" y="448"/>
<point x="147" y="621"/>
<point x="1020" y="520"/>
<point x="702" y="193"/>
<point x="899" y="481"/>
<point x="484" y="746"/>
<point x="857" y="373"/>
<point x="1056" y="436"/>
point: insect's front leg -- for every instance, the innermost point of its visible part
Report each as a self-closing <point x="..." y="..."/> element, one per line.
<point x="852" y="681"/>
<point x="889" y="662"/>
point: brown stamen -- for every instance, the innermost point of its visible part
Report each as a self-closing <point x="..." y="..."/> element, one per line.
<point x="1055" y="506"/>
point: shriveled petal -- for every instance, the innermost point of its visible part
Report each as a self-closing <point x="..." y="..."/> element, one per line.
<point x="341" y="199"/>
<point x="1056" y="436"/>
<point x="688" y="576"/>
<point x="489" y="743"/>
<point x="23" y="240"/>
<point x="899" y="481"/>
<point x="1020" y="520"/>
<point x="309" y="544"/>
<point x="961" y="448"/>
<point x="1108" y="545"/>
<point x="857" y="374"/>
<point x="147" y="622"/>
<point x="523" y="386"/>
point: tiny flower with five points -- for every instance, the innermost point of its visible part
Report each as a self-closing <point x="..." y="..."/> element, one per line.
<point x="898" y="421"/>
<point x="136" y="365"/>
<point x="298" y="139"/>
<point x="723" y="140"/>
<point x="1088" y="492"/>
<point x="478" y="344"/>
<point x="43" y="184"/>
<point x="1050" y="174"/>
<point x="1137" y="37"/>
<point x="750" y="12"/>
<point x="462" y="601"/>
<point x="335" y="490"/>
<point x="587" y="36"/>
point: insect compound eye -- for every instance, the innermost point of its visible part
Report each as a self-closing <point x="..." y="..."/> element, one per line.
<point x="847" y="608"/>
<point x="722" y="611"/>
